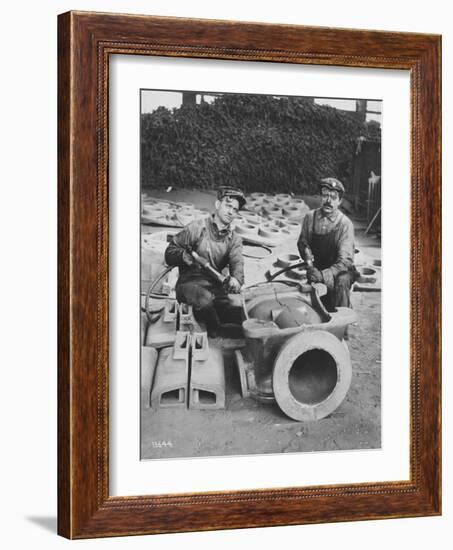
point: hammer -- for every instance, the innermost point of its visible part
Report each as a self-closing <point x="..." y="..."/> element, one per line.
<point x="271" y="276"/>
<point x="309" y="259"/>
<point x="221" y="278"/>
<point x="207" y="266"/>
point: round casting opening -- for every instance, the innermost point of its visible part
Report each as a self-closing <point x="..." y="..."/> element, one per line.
<point x="298" y="202"/>
<point x="290" y="258"/>
<point x="253" y="218"/>
<point x="313" y="377"/>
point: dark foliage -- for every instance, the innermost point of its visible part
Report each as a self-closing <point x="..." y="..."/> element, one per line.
<point x="261" y="143"/>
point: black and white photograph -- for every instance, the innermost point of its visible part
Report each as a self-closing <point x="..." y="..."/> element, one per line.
<point x="240" y="335"/>
<point x="260" y="274"/>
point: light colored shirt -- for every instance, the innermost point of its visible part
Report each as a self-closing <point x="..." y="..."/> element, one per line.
<point x="221" y="247"/>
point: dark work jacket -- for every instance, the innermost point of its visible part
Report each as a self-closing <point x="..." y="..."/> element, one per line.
<point x="223" y="248"/>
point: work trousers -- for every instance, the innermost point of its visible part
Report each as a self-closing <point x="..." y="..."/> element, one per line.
<point x="339" y="296"/>
<point x="210" y="302"/>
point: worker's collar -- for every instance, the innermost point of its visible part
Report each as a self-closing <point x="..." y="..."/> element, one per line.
<point x="332" y="216"/>
<point x="226" y="230"/>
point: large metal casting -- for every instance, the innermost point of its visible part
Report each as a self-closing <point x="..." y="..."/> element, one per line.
<point x="295" y="353"/>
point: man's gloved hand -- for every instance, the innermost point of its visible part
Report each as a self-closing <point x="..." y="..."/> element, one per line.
<point x="187" y="258"/>
<point x="233" y="285"/>
<point x="314" y="275"/>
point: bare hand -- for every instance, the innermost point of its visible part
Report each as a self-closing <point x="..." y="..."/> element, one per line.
<point x="233" y="285"/>
<point x="187" y="258"/>
<point x="314" y="275"/>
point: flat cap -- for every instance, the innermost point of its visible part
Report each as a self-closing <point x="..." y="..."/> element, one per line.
<point x="332" y="184"/>
<point x="234" y="192"/>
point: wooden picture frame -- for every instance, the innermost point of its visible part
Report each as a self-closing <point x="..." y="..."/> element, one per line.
<point x="85" y="41"/>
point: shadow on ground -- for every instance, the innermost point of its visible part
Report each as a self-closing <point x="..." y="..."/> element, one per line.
<point x="48" y="523"/>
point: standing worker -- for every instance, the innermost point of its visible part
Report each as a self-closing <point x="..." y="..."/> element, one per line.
<point x="214" y="240"/>
<point x="326" y="243"/>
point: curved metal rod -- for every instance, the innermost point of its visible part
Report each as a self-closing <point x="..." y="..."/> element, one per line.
<point x="287" y="268"/>
<point x="149" y="294"/>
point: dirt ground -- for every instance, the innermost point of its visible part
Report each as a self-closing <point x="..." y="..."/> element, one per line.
<point x="249" y="427"/>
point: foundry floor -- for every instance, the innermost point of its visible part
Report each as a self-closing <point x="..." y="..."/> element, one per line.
<point x="248" y="427"/>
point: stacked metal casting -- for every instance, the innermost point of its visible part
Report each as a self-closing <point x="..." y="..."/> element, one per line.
<point x="170" y="214"/>
<point x="271" y="219"/>
<point x="179" y="368"/>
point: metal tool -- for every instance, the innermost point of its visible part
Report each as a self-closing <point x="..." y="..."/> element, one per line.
<point x="309" y="258"/>
<point x="271" y="276"/>
<point x="308" y="262"/>
<point x="207" y="266"/>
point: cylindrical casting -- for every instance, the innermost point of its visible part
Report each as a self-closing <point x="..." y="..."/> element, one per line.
<point x="312" y="374"/>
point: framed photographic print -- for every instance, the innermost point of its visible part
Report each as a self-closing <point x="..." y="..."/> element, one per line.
<point x="249" y="275"/>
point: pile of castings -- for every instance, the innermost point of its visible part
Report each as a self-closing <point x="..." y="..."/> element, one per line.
<point x="170" y="214"/>
<point x="179" y="369"/>
<point x="153" y="246"/>
<point x="369" y="273"/>
<point x="288" y="268"/>
<point x="270" y="220"/>
<point x="157" y="240"/>
<point x="296" y="355"/>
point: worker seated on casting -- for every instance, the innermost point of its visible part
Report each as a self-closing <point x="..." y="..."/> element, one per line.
<point x="327" y="236"/>
<point x="213" y="239"/>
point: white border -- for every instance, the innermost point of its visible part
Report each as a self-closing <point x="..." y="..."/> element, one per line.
<point x="129" y="475"/>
